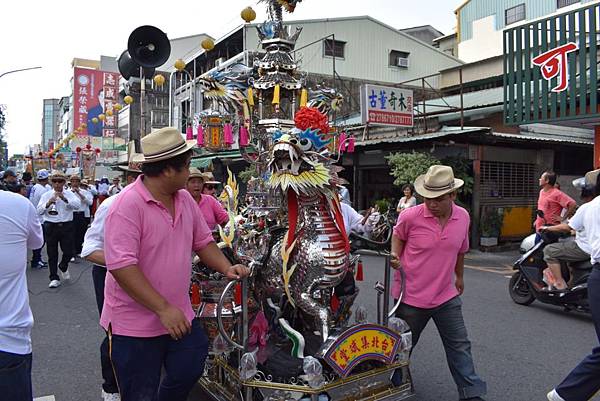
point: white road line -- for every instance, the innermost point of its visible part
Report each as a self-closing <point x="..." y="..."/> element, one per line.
<point x="45" y="398"/>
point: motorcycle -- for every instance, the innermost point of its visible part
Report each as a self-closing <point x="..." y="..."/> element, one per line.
<point x="527" y="284"/>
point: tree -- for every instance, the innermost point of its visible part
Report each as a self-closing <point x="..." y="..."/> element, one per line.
<point x="406" y="167"/>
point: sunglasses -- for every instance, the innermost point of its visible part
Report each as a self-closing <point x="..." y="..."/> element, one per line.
<point x="209" y="186"/>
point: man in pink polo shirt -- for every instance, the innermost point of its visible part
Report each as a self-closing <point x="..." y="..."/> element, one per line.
<point x="429" y="242"/>
<point x="150" y="233"/>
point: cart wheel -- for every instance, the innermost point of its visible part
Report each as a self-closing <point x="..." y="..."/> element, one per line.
<point x="519" y="290"/>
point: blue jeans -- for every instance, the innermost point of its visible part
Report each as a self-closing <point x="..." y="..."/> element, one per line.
<point x="138" y="363"/>
<point x="15" y="377"/>
<point x="584" y="381"/>
<point x="449" y="321"/>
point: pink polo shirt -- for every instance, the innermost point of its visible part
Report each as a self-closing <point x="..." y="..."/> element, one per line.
<point x="140" y="231"/>
<point x="429" y="255"/>
<point x="552" y="203"/>
<point x="212" y="211"/>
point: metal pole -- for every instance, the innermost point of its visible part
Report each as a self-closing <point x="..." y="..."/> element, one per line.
<point x="424" y="101"/>
<point x="386" y="293"/>
<point x="19" y="70"/>
<point x="171" y="99"/>
<point x="245" y="313"/>
<point x="462" y="113"/>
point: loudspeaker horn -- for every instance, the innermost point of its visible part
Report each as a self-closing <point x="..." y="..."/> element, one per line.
<point x="149" y="46"/>
<point x="129" y="68"/>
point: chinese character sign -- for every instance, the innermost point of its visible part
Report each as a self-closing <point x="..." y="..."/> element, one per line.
<point x="94" y="93"/>
<point x="553" y="63"/>
<point x="382" y="105"/>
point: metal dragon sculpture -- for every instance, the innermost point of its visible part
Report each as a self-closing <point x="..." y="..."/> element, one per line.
<point x="276" y="7"/>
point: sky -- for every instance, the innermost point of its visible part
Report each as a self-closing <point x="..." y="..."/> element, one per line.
<point x="51" y="33"/>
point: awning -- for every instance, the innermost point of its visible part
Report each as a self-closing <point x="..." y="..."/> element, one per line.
<point x="205" y="159"/>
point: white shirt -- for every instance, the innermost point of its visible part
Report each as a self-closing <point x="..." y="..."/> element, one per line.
<point x="94" y="236"/>
<point x="577" y="223"/>
<point x="403" y="204"/>
<point x="591" y="223"/>
<point x="103" y="189"/>
<point x="65" y="210"/>
<point x="114" y="189"/>
<point x="353" y="220"/>
<point x="20" y="230"/>
<point x="36" y="193"/>
<point x="86" y="200"/>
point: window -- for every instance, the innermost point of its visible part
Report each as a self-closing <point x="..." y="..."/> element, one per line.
<point x="398" y="59"/>
<point x="564" y="3"/>
<point x="515" y="14"/>
<point x="333" y="48"/>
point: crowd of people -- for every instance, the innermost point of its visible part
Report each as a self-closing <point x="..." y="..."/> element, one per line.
<point x="168" y="211"/>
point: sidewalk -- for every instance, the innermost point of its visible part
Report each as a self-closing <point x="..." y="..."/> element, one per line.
<point x="495" y="262"/>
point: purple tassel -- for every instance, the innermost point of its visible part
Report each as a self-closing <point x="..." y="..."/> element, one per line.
<point x="351" y="145"/>
<point x="200" y="137"/>
<point x="189" y="134"/>
<point x="243" y="136"/>
<point x="228" y="134"/>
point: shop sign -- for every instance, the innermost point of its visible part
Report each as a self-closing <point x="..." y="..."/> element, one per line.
<point x="383" y="105"/>
<point x="553" y="63"/>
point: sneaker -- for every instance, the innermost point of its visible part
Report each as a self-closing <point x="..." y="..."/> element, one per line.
<point x="64" y="275"/>
<point x="54" y="284"/>
<point x="553" y="396"/>
<point x="110" y="396"/>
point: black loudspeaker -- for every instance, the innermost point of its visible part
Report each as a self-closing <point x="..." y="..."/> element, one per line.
<point x="148" y="46"/>
<point x="129" y="68"/>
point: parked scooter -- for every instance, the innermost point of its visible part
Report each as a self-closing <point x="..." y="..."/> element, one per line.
<point x="526" y="285"/>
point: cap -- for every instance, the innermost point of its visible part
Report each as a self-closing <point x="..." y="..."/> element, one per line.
<point x="42" y="174"/>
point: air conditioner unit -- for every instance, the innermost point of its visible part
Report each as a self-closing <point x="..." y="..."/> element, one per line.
<point x="402" y="62"/>
<point x="219" y="61"/>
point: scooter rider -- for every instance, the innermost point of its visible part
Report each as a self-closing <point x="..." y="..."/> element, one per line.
<point x="570" y="251"/>
<point x="584" y="381"/>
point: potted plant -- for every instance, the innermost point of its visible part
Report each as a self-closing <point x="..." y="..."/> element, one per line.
<point x="490" y="225"/>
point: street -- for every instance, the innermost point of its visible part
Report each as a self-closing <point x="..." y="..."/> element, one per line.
<point x="521" y="352"/>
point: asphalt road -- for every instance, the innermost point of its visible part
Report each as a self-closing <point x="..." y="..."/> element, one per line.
<point x="522" y="352"/>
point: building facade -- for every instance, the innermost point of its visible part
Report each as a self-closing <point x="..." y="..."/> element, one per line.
<point x="50" y="123"/>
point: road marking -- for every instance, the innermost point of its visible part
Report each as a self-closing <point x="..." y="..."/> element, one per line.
<point x="45" y="398"/>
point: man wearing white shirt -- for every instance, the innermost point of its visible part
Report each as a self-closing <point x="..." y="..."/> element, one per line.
<point x="56" y="207"/>
<point x="81" y="216"/>
<point x="115" y="188"/>
<point x="36" y="193"/>
<point x="21" y="230"/>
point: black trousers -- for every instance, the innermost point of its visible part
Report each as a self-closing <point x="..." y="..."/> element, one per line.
<point x="108" y="375"/>
<point x="36" y="254"/>
<point x="58" y="233"/>
<point x="80" y="225"/>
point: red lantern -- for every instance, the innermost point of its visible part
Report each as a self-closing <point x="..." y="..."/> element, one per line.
<point x="78" y="149"/>
<point x="88" y="146"/>
<point x="97" y="150"/>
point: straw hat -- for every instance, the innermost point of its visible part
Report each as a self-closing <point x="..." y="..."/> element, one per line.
<point x="591" y="177"/>
<point x="58" y="175"/>
<point x="74" y="177"/>
<point x="196" y="173"/>
<point x="438" y="181"/>
<point x="133" y="166"/>
<point x="209" y="178"/>
<point x="163" y="144"/>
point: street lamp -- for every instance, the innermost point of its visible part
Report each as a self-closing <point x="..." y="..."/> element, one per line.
<point x="19" y="70"/>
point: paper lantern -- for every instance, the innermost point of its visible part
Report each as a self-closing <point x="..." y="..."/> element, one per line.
<point x="207" y="44"/>
<point x="109" y="113"/>
<point x="179" y="65"/>
<point x="101" y="117"/>
<point x="78" y="149"/>
<point x="244" y="137"/>
<point x="97" y="150"/>
<point x="200" y="136"/>
<point x="189" y="135"/>
<point x="95" y="120"/>
<point x="248" y="14"/>
<point x="159" y="80"/>
<point x="117" y="106"/>
<point x="88" y="146"/>
<point x="128" y="99"/>
<point x="84" y="125"/>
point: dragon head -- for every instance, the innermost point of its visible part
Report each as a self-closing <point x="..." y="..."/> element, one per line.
<point x="289" y="5"/>
<point x="295" y="162"/>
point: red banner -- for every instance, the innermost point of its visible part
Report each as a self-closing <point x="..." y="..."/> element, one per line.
<point x="94" y="93"/>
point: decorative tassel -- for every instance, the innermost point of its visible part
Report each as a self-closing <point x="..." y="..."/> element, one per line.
<point x="335" y="303"/>
<point x="238" y="294"/>
<point x="200" y="137"/>
<point x="303" y="98"/>
<point x="350" y="145"/>
<point x="250" y="97"/>
<point x="343" y="144"/>
<point x="359" y="271"/>
<point x="195" y="294"/>
<point x="244" y="137"/>
<point x="276" y="94"/>
<point x="228" y="134"/>
<point x="189" y="134"/>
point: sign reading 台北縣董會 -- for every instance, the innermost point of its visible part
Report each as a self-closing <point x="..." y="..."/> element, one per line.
<point x="383" y="105"/>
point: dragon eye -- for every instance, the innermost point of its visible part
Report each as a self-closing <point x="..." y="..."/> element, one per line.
<point x="305" y="144"/>
<point x="294" y="141"/>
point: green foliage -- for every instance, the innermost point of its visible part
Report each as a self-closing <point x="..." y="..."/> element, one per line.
<point x="248" y="173"/>
<point x="383" y="204"/>
<point x="2" y="117"/>
<point x="490" y="222"/>
<point x="463" y="170"/>
<point x="406" y="167"/>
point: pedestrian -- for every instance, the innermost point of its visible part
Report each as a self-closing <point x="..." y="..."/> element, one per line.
<point x="20" y="189"/>
<point x="213" y="212"/>
<point x="21" y="230"/>
<point x="26" y="180"/>
<point x="429" y="242"/>
<point x="115" y="188"/>
<point x="103" y="187"/>
<point x="93" y="251"/>
<point x="81" y="216"/>
<point x="10" y="180"/>
<point x="150" y="232"/>
<point x="56" y="207"/>
<point x="42" y="186"/>
<point x="551" y="202"/>
<point x="408" y="200"/>
<point x="210" y="184"/>
<point x="583" y="382"/>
